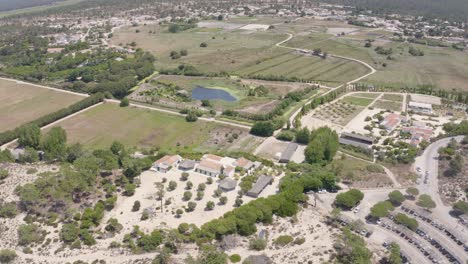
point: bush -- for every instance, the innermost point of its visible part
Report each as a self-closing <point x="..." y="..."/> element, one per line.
<point x="8" y="210"/>
<point x="28" y="234"/>
<point x="349" y="199"/>
<point x="381" y="209"/>
<point x="7" y="255"/>
<point x="461" y="207"/>
<point x="283" y="240"/>
<point x="286" y="135"/>
<point x="136" y="206"/>
<point x="124" y="102"/>
<point x="396" y="197"/>
<point x="235" y="258"/>
<point x="409" y="222"/>
<point x="191" y="206"/>
<point x="3" y="174"/>
<point x="223" y="200"/>
<point x="262" y="129"/>
<point x="257" y="244"/>
<point x="69" y="233"/>
<point x="184" y="176"/>
<point x="187" y="196"/>
<point x="299" y="241"/>
<point x="191" y="116"/>
<point x="412" y="191"/>
<point x="210" y="205"/>
<point x="172" y="186"/>
<point x="203" y="45"/>
<point x="426" y="201"/>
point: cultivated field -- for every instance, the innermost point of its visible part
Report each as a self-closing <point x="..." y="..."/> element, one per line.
<point x="330" y="71"/>
<point x="338" y="112"/>
<point x="99" y="126"/>
<point x="21" y="103"/>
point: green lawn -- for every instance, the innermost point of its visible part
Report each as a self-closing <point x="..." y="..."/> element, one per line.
<point x="99" y="126"/>
<point x="357" y="101"/>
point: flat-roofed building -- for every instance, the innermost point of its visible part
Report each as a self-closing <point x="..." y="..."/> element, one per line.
<point x="259" y="186"/>
<point x="417" y="107"/>
<point x="287" y="154"/>
<point x="356" y="140"/>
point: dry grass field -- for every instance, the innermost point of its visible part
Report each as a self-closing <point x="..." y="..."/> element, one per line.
<point x="225" y="51"/>
<point x="100" y="126"/>
<point x="21" y="103"/>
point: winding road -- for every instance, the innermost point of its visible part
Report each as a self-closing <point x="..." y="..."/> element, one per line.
<point x="429" y="162"/>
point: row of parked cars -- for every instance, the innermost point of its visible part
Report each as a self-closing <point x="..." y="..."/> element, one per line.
<point x="449" y="255"/>
<point x="442" y="228"/>
<point x="408" y="235"/>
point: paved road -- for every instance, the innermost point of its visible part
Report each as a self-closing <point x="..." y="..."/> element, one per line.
<point x="428" y="161"/>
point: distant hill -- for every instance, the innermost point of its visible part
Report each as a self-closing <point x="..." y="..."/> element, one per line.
<point x="455" y="9"/>
<point x="6" y="5"/>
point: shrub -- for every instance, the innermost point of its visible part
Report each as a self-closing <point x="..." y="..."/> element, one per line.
<point x="28" y="234"/>
<point x="396" y="197"/>
<point x="8" y="210"/>
<point x="461" y="207"/>
<point x="3" y="174"/>
<point x="223" y="200"/>
<point x="209" y="180"/>
<point x="257" y="244"/>
<point x="184" y="176"/>
<point x="286" y="135"/>
<point x="172" y="186"/>
<point x="412" y="191"/>
<point x="187" y="196"/>
<point x="349" y="199"/>
<point x="299" y="241"/>
<point x="124" y="102"/>
<point x="69" y="233"/>
<point x="210" y="205"/>
<point x="203" y="45"/>
<point x="7" y="255"/>
<point x="426" y="201"/>
<point x="191" y="206"/>
<point x="381" y="209"/>
<point x="136" y="206"/>
<point x="409" y="222"/>
<point x="235" y="258"/>
<point x="283" y="240"/>
<point x="191" y="116"/>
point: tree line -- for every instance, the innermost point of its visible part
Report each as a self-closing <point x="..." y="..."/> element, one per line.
<point x="10" y="135"/>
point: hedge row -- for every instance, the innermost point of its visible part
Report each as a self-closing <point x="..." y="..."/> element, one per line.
<point x="10" y="135"/>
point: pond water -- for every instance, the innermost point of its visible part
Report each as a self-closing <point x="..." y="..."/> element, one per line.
<point x="202" y="93"/>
